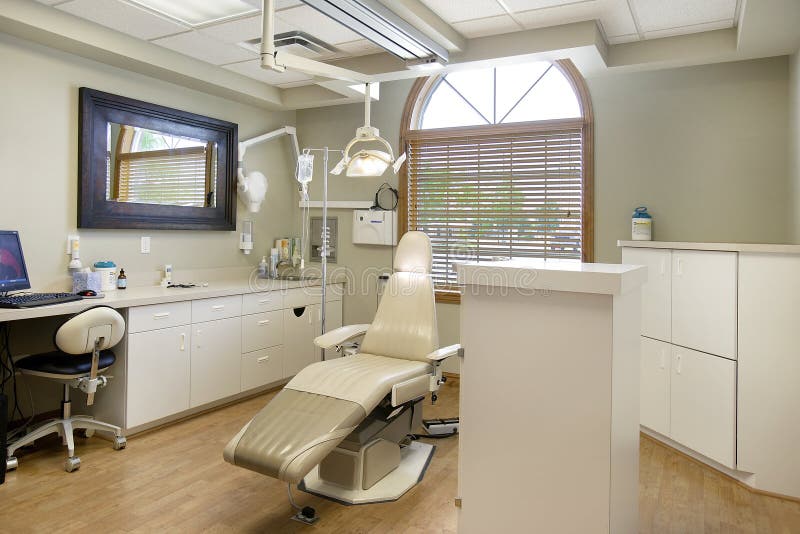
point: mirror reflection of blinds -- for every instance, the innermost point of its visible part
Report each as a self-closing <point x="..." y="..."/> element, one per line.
<point x="178" y="176"/>
<point x="488" y="192"/>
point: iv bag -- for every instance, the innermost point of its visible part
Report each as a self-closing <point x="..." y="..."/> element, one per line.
<point x="305" y="168"/>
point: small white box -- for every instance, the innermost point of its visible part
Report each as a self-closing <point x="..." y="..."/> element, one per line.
<point x="374" y="227"/>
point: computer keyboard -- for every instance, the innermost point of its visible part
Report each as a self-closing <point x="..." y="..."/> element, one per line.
<point x="31" y="300"/>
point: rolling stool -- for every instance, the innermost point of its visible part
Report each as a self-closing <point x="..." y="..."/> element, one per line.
<point x="83" y="342"/>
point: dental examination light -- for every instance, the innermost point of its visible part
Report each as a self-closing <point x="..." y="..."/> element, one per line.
<point x="368" y="162"/>
<point x="253" y="185"/>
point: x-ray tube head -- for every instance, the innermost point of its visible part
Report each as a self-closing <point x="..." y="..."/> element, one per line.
<point x="253" y="190"/>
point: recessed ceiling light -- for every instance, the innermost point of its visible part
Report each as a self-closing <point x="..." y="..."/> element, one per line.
<point x="198" y="12"/>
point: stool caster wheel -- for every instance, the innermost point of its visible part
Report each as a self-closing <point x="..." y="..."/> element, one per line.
<point x="444" y="379"/>
<point x="434" y="398"/>
<point x="71" y="464"/>
<point x="120" y="443"/>
<point x="11" y="463"/>
<point x="87" y="433"/>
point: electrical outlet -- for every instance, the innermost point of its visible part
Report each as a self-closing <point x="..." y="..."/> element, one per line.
<point x="145" y="245"/>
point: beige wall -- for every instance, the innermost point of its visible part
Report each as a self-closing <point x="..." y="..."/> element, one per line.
<point x="39" y="147"/>
<point x="703" y="147"/>
<point x="794" y="141"/>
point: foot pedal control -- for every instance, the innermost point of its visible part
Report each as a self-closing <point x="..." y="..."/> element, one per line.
<point x="441" y="427"/>
<point x="307" y="516"/>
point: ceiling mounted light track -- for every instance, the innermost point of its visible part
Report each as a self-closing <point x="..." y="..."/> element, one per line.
<point x="377" y="23"/>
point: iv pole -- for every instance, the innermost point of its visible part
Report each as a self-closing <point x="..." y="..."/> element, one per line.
<point x="323" y="251"/>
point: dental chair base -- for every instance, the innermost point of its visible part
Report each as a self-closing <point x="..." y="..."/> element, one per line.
<point x="377" y="461"/>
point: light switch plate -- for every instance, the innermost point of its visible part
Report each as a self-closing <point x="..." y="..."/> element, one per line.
<point x="145" y="246"/>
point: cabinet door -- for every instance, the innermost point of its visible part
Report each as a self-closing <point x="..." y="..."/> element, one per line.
<point x="656" y="292"/>
<point x="333" y="320"/>
<point x="298" y="338"/>
<point x="704" y="301"/>
<point x="654" y="385"/>
<point x="703" y="404"/>
<point x="216" y="360"/>
<point x="158" y="374"/>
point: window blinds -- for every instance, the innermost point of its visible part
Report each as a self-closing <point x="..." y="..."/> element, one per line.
<point x="485" y="192"/>
<point x="178" y="176"/>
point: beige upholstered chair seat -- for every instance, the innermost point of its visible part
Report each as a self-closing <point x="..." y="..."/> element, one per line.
<point x="316" y="410"/>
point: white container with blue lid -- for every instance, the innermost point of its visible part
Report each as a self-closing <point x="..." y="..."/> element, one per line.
<point x="108" y="274"/>
<point x="641" y="225"/>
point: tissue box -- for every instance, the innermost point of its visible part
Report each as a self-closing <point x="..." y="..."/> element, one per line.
<point x="84" y="281"/>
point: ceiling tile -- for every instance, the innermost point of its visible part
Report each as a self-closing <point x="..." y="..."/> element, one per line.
<point x="236" y="31"/>
<point x="362" y="47"/>
<point x="252" y="69"/>
<point x="553" y="16"/>
<point x="659" y="15"/>
<point x="487" y="26"/>
<point x="205" y="48"/>
<point x="465" y="9"/>
<point x="528" y="5"/>
<point x="123" y="17"/>
<point x="311" y="21"/>
<point x="616" y="18"/>
<point x="685" y="30"/>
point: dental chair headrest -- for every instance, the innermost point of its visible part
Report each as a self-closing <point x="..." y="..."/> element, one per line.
<point x="414" y="253"/>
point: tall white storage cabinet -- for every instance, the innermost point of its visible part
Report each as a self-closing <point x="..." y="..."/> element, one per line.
<point x="729" y="386"/>
<point x="687" y="367"/>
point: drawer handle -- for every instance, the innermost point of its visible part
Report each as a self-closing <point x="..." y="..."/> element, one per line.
<point x="183" y="342"/>
<point x="218" y="307"/>
<point x="265" y="301"/>
<point x="680" y="267"/>
<point x="262" y="359"/>
<point x="265" y="321"/>
<point x="162" y="315"/>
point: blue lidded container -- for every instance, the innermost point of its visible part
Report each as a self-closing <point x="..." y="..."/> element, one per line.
<point x="641" y="225"/>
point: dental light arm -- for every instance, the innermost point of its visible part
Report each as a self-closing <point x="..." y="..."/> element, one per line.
<point x="253" y="185"/>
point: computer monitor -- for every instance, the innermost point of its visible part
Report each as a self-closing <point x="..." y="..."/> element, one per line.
<point x="13" y="273"/>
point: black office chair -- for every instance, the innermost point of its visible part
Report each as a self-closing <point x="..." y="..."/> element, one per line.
<point x="83" y="342"/>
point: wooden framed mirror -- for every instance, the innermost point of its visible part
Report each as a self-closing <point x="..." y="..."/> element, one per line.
<point x="147" y="166"/>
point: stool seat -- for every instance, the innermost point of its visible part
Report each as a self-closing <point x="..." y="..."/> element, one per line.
<point x="58" y="363"/>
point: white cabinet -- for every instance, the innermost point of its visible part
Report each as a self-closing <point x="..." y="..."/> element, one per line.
<point x="158" y="374"/>
<point x="654" y="385"/>
<point x="703" y="404"/>
<point x="704" y="301"/>
<point x="262" y="367"/>
<point x="656" y="292"/>
<point x="299" y="329"/>
<point x="216" y="360"/>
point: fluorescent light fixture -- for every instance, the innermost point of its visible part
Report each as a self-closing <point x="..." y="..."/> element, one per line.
<point x="368" y="162"/>
<point x="197" y="13"/>
<point x="382" y="26"/>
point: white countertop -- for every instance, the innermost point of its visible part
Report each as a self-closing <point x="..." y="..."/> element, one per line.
<point x="143" y="296"/>
<point x="769" y="248"/>
<point x="554" y="275"/>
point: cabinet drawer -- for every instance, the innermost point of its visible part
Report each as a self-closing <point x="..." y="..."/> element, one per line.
<point x="262" y="367"/>
<point x="302" y="296"/>
<point x="157" y="316"/>
<point x="703" y="404"/>
<point x="262" y="302"/>
<point x="217" y="308"/>
<point x="262" y="330"/>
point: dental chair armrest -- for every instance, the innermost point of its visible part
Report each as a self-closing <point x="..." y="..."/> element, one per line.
<point x="341" y="335"/>
<point x="444" y="353"/>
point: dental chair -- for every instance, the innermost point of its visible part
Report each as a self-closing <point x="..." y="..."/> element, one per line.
<point x="340" y="428"/>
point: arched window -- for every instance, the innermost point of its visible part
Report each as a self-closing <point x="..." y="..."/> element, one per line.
<point x="499" y="165"/>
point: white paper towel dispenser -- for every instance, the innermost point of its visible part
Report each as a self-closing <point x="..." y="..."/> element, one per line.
<point x="374" y="227"/>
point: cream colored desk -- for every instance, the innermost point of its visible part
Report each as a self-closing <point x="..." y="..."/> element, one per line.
<point x="549" y="433"/>
<point x="186" y="350"/>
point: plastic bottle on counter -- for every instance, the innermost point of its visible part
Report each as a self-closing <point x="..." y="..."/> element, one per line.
<point x="262" y="267"/>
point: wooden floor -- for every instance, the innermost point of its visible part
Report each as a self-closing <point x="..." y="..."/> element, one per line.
<point x="174" y="480"/>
